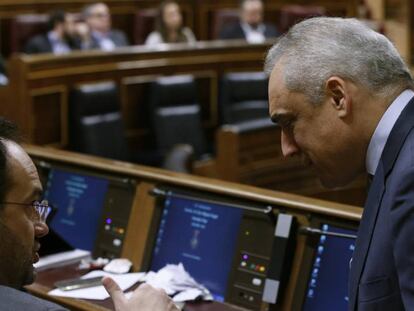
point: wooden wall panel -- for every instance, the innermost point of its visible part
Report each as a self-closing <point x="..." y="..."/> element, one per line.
<point x="132" y="69"/>
<point x="50" y="111"/>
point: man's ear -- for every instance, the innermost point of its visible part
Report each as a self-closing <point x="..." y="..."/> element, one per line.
<point x="339" y="97"/>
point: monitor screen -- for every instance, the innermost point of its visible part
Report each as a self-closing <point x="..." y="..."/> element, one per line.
<point x="79" y="200"/>
<point x="200" y="235"/>
<point x="328" y="281"/>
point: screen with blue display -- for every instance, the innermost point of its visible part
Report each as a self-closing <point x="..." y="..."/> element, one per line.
<point x="79" y="200"/>
<point x="202" y="236"/>
<point x="328" y="282"/>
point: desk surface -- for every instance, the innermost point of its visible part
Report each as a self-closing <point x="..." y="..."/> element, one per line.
<point x="46" y="279"/>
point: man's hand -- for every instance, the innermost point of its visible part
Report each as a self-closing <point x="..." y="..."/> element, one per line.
<point x="144" y="298"/>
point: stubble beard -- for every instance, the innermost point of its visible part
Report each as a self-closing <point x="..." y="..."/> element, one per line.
<point x="16" y="260"/>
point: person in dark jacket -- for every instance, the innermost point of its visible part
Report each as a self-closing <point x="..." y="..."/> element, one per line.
<point x="59" y="36"/>
<point x="250" y="26"/>
<point x="101" y="35"/>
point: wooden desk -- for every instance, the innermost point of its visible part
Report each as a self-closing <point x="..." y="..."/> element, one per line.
<point x="136" y="245"/>
<point x="40" y="84"/>
<point x="46" y="279"/>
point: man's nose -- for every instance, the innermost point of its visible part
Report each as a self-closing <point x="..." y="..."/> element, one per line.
<point x="41" y="229"/>
<point x="289" y="145"/>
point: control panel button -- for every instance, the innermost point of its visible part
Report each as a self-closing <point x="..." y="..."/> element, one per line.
<point x="256" y="281"/>
<point x="117" y="242"/>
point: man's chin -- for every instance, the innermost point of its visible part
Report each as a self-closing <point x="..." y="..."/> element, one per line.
<point x="30" y="276"/>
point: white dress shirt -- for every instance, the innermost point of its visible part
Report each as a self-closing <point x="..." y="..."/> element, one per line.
<point x="59" y="46"/>
<point x="383" y="130"/>
<point x="254" y="35"/>
<point x="104" y="41"/>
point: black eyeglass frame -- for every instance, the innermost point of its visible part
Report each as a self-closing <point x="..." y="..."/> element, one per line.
<point x="42" y="208"/>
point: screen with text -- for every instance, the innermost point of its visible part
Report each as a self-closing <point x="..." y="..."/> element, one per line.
<point x="200" y="235"/>
<point x="79" y="200"/>
<point x="328" y="281"/>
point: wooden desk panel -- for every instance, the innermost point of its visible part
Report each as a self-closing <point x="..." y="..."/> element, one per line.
<point x="290" y="201"/>
<point x="35" y="80"/>
<point x="303" y="208"/>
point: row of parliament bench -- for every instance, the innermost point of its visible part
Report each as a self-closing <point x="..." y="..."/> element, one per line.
<point x="140" y="204"/>
<point x="20" y="19"/>
<point x="38" y="99"/>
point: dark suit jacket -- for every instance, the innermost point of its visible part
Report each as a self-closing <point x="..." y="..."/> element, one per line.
<point x="38" y="44"/>
<point x="41" y="44"/>
<point x="382" y="269"/>
<point x="117" y="37"/>
<point x="235" y="31"/>
<point x="15" y="300"/>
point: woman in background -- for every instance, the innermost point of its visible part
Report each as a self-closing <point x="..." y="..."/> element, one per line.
<point x="169" y="26"/>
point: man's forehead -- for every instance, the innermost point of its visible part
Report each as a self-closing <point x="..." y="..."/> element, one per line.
<point x="18" y="158"/>
<point x="277" y="88"/>
<point x="282" y="101"/>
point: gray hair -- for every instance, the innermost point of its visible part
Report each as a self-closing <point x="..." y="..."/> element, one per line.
<point x="242" y="2"/>
<point x="88" y="9"/>
<point x="321" y="47"/>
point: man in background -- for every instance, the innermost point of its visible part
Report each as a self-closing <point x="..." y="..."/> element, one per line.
<point x="101" y="35"/>
<point x="59" y="38"/>
<point x="251" y="26"/>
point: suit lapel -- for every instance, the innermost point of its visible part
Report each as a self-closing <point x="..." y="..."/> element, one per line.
<point x="48" y="45"/>
<point x="365" y="231"/>
<point x="394" y="143"/>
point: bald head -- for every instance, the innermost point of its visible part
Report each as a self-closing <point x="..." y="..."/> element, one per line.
<point x="252" y="12"/>
<point x="98" y="17"/>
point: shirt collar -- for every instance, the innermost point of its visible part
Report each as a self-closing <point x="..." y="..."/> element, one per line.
<point x="247" y="28"/>
<point x="53" y="37"/>
<point x="383" y="130"/>
<point x="100" y="35"/>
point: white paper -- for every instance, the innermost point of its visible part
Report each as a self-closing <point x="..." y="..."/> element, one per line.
<point x="180" y="305"/>
<point x="178" y="283"/>
<point x="124" y="281"/>
<point x="188" y="295"/>
<point x="61" y="259"/>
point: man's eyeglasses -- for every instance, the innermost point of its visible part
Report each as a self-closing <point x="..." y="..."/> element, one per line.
<point x="41" y="209"/>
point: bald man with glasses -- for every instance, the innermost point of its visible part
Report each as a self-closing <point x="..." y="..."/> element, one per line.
<point x="23" y="217"/>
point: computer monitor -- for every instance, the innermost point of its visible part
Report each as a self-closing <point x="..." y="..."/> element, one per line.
<point x="203" y="236"/>
<point x="327" y="288"/>
<point x="79" y="199"/>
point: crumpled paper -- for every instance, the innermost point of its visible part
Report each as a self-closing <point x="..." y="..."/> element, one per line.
<point x="178" y="283"/>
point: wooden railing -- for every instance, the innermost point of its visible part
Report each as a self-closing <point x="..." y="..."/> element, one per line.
<point x="37" y="97"/>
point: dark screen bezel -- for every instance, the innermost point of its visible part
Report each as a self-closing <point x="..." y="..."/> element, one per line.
<point x="159" y="206"/>
<point x="309" y="256"/>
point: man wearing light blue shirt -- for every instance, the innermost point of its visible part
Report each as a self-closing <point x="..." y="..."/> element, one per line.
<point x="101" y="36"/>
<point x="343" y="98"/>
<point x="59" y="38"/>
